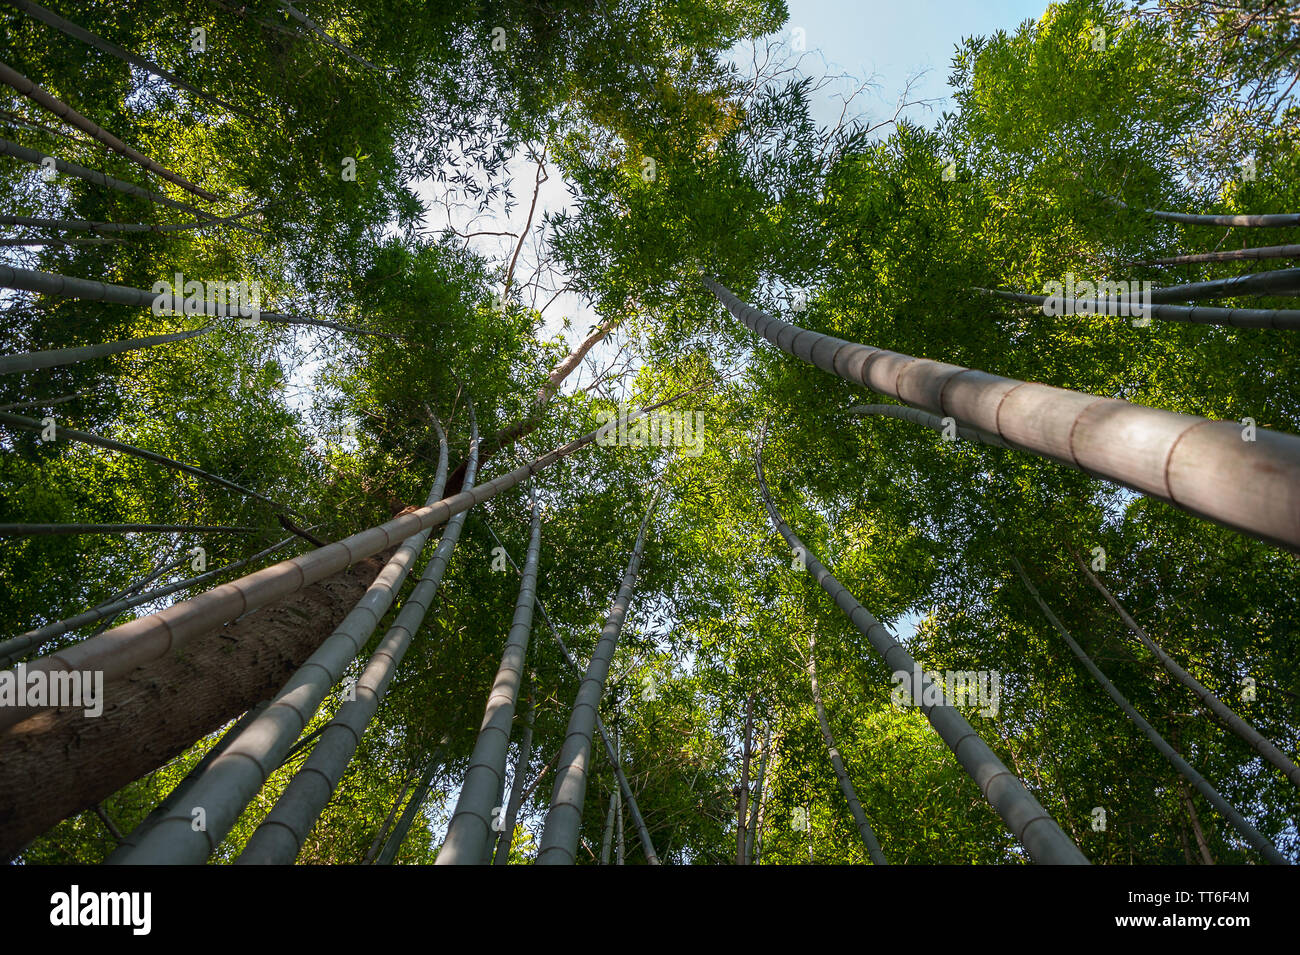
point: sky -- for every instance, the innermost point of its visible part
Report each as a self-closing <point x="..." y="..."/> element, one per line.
<point x="888" y="43"/>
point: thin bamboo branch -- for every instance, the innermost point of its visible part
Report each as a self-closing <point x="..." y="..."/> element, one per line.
<point x="1256" y="839"/>
<point x="32" y="361"/>
<point x="11" y="77"/>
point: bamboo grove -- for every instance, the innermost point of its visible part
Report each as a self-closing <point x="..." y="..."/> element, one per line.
<point x="917" y="492"/>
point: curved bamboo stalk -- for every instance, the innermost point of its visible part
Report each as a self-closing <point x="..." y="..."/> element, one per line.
<point x="1252" y="736"/>
<point x="11" y="649"/>
<point x="136" y="643"/>
<point x="11" y="77"/>
<point x="235" y="777"/>
<point x="71" y="29"/>
<point x="507" y="836"/>
<point x="559" y="843"/>
<point x="1281" y="318"/>
<point x="32" y="361"/>
<point x="34" y="530"/>
<point x="1037" y="831"/>
<point x="757" y="801"/>
<point x="643" y="832"/>
<point x="398" y="835"/>
<point x="837" y="762"/>
<point x="281" y="835"/>
<point x="48" y="283"/>
<point x="311" y="24"/>
<point x="470" y="830"/>
<point x="72" y="434"/>
<point x="1198" y="465"/>
<point x="1247" y="831"/>
<point x="1275" y="220"/>
<point x="88" y="225"/>
<point x="1230" y="255"/>
<point x="13" y="149"/>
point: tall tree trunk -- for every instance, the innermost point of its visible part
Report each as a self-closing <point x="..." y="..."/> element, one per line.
<point x="620" y="854"/>
<point x="48" y="283"/>
<point x="1027" y="820"/>
<point x="235" y="777"/>
<point x="517" y="789"/>
<point x="8" y="148"/>
<point x="281" y="835"/>
<point x="533" y="420"/>
<point x="470" y="830"/>
<point x="742" y="794"/>
<point x="1201" y="466"/>
<point x="560" y="835"/>
<point x="1248" y="832"/>
<point x="1230" y="719"/>
<point x="42" y="98"/>
<point x="59" y="762"/>
<point x="80" y="33"/>
<point x="133" y="644"/>
<point x="846" y="785"/>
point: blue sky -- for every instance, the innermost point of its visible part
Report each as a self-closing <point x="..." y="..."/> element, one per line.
<point x="894" y="41"/>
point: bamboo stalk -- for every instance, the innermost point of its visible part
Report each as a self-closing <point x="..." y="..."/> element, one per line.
<point x="560" y="835"/>
<point x="235" y="777"/>
<point x="282" y="834"/>
<point x="32" y="361"/>
<point x="71" y="29"/>
<point x="84" y="437"/>
<point x="48" y="283"/>
<point x="1256" y="740"/>
<point x="11" y="77"/>
<point x="1247" y="831"/>
<point x="1201" y="466"/>
<point x="1037" y="831"/>
<point x="122" y="649"/>
<point x="865" y="831"/>
<point x="469" y="832"/>
<point x="11" y="649"/>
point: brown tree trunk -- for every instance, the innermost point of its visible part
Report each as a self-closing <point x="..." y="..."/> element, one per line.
<point x="60" y="761"/>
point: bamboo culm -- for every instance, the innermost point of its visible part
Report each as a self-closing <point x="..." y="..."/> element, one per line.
<point x="1042" y="838"/>
<point x="559" y="843"/>
<point x="470" y="830"/>
<point x="1247" y="831"/>
<point x="281" y="835"/>
<point x="1201" y="466"/>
